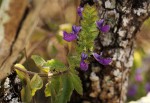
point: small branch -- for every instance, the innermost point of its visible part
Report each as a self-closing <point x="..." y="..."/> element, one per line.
<point x="30" y="73"/>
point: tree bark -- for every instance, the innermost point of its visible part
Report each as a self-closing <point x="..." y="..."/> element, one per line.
<point x="108" y="84"/>
<point x="17" y="22"/>
<point x="9" y="25"/>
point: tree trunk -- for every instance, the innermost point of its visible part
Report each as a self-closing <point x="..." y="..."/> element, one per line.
<point x="17" y="22"/>
<point x="108" y="84"/>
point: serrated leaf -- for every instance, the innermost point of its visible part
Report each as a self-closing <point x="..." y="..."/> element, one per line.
<point x="55" y="86"/>
<point x="36" y="83"/>
<point x="67" y="89"/>
<point x="54" y="65"/>
<point x="73" y="61"/>
<point x="39" y="61"/>
<point x="47" y="90"/>
<point x="77" y="83"/>
<point x="53" y="95"/>
<point x="89" y="30"/>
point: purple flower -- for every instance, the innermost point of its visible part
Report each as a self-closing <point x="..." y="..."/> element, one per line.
<point x="101" y="26"/>
<point x="132" y="90"/>
<point x="101" y="60"/>
<point x="138" y="78"/>
<point x="83" y="64"/>
<point x="76" y="29"/>
<point x="84" y="56"/>
<point x="138" y="75"/>
<point x="69" y="36"/>
<point x="147" y="87"/>
<point x="79" y="11"/>
<point x="73" y="35"/>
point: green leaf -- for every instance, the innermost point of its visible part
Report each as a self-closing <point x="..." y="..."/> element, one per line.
<point x="25" y="79"/>
<point x="47" y="90"/>
<point x="26" y="94"/>
<point x="22" y="75"/>
<point x="89" y="30"/>
<point x="74" y="61"/>
<point x="20" y="66"/>
<point x="77" y="83"/>
<point x="56" y="82"/>
<point x="53" y="95"/>
<point x="55" y="86"/>
<point x="54" y="65"/>
<point x="67" y="89"/>
<point x="60" y="88"/>
<point x="39" y="61"/>
<point x="36" y="83"/>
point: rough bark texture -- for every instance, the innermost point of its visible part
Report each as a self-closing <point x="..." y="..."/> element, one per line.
<point x="108" y="84"/>
<point x="9" y="26"/>
<point x="17" y="21"/>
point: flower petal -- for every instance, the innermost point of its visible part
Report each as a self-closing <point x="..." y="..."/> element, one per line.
<point x="79" y="11"/>
<point x="69" y="36"/>
<point x="83" y="65"/>
<point x="99" y="23"/>
<point x="96" y="56"/>
<point x="147" y="87"/>
<point x="76" y="29"/>
<point x="101" y="60"/>
<point x="84" y="56"/>
<point x="138" y="77"/>
<point x="104" y="61"/>
<point x="132" y="90"/>
<point x="105" y="28"/>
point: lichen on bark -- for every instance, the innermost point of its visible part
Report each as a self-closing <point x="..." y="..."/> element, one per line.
<point x="125" y="18"/>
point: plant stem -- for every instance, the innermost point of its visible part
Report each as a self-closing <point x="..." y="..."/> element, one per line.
<point x="30" y="73"/>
